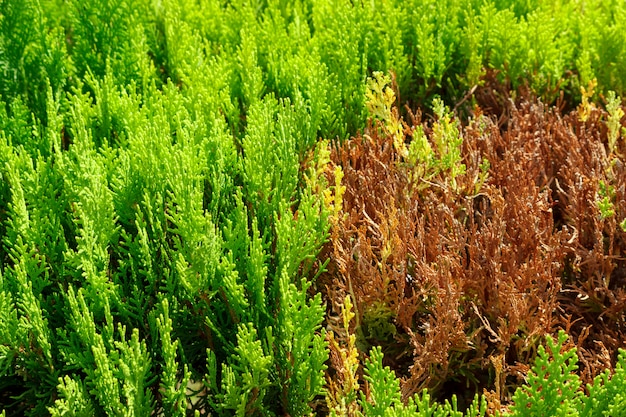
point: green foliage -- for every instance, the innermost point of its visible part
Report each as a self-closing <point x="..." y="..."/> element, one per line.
<point x="607" y="393"/>
<point x="74" y="399"/>
<point x="440" y="154"/>
<point x="33" y="56"/>
<point x="159" y="234"/>
<point x="435" y="34"/>
<point x="173" y="389"/>
<point x="300" y="346"/>
<point x="244" y="380"/>
<point x="552" y="387"/>
<point x="606" y="195"/>
<point x="319" y="52"/>
<point x="134" y="238"/>
<point x="384" y="387"/>
<point x="384" y="399"/>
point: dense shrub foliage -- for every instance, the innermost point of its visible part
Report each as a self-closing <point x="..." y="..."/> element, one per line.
<point x="171" y="220"/>
<point x="461" y="247"/>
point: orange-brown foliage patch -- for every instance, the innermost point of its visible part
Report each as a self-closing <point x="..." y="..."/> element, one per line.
<point x="458" y="285"/>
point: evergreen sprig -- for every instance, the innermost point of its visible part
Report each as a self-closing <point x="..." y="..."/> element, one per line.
<point x="552" y="388"/>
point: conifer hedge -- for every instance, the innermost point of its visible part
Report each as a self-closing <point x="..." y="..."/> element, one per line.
<point x="164" y="194"/>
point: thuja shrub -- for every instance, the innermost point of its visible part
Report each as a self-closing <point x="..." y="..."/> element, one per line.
<point x="317" y="52"/>
<point x="163" y="202"/>
<point x="462" y="246"/>
<point x="155" y="268"/>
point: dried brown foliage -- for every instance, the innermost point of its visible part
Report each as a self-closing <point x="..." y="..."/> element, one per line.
<point x="459" y="286"/>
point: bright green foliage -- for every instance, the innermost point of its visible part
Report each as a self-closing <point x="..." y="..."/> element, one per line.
<point x="110" y="34"/>
<point x="532" y="47"/>
<point x="552" y="387"/>
<point x="173" y="389"/>
<point x="245" y="380"/>
<point x="600" y="36"/>
<point x="607" y="395"/>
<point x="301" y="353"/>
<point x="384" y="387"/>
<point x="33" y="55"/>
<point x="143" y="245"/>
<point x="144" y="225"/>
<point x="441" y="153"/>
<point x="317" y="52"/>
<point x="384" y="399"/>
<point x="74" y="399"/>
<point x="435" y="34"/>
